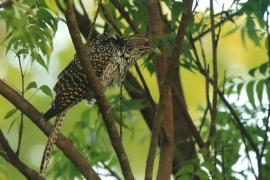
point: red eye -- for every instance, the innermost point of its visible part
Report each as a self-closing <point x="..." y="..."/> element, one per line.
<point x="146" y="43"/>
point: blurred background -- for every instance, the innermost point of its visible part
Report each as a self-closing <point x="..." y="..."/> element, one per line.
<point x="233" y="56"/>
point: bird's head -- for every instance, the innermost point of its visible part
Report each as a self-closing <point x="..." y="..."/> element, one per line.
<point x="138" y="45"/>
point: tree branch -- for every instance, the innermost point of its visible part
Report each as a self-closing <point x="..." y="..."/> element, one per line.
<point x="64" y="144"/>
<point x="98" y="91"/>
<point x="10" y="156"/>
<point x="21" y="122"/>
<point x="213" y="110"/>
<point x="190" y="123"/>
<point x="164" y="115"/>
<point x="5" y="3"/>
<point x="220" y="23"/>
<point x="125" y="14"/>
<point x="147" y="91"/>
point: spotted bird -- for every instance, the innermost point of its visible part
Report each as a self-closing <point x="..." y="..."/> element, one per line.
<point x="111" y="58"/>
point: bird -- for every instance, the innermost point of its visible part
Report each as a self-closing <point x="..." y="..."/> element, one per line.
<point x="111" y="58"/>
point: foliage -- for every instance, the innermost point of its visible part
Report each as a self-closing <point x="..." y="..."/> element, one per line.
<point x="31" y="26"/>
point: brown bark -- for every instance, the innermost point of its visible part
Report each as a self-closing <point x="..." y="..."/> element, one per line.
<point x="97" y="89"/>
<point x="10" y="156"/>
<point x="164" y="114"/>
<point x="63" y="143"/>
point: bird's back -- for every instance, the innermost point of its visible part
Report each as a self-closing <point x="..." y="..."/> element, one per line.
<point x="71" y="86"/>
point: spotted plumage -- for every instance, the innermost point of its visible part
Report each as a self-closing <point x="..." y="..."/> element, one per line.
<point x="111" y="58"/>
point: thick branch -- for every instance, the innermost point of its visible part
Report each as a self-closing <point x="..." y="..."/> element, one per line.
<point x="181" y="32"/>
<point x="64" y="144"/>
<point x="97" y="89"/>
<point x="164" y="115"/>
<point x="147" y="91"/>
<point x="187" y="147"/>
<point x="10" y="156"/>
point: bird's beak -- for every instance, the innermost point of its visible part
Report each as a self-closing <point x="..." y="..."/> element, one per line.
<point x="156" y="50"/>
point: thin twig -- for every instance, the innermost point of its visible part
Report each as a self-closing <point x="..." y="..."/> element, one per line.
<point x="248" y="156"/>
<point x="125" y="14"/>
<point x="265" y="138"/>
<point x="10" y="156"/>
<point x="21" y="122"/>
<point x="213" y="110"/>
<point x="203" y="118"/>
<point x="190" y="123"/>
<point x="92" y="26"/>
<point x="223" y="162"/>
<point x="147" y="91"/>
<point x="63" y="143"/>
<point x="121" y="112"/>
<point x="237" y="121"/>
<point x="228" y="18"/>
<point x="112" y="172"/>
<point x="97" y="88"/>
<point x="109" y="19"/>
<point x="83" y="8"/>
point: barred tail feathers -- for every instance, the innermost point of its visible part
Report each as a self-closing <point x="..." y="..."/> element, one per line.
<point x="51" y="141"/>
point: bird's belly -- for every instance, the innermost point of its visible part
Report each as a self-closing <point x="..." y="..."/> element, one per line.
<point x="114" y="74"/>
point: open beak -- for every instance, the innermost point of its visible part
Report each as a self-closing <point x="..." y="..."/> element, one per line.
<point x="156" y="50"/>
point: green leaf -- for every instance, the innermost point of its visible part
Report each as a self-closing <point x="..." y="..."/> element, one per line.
<point x="39" y="59"/>
<point x="176" y="10"/>
<point x="133" y="104"/>
<point x="252" y="72"/>
<point x="52" y="5"/>
<point x="103" y="156"/>
<point x="250" y="93"/>
<point x="46" y="90"/>
<point x="186" y="169"/>
<point x="202" y="174"/>
<point x="31" y="85"/>
<point x="259" y="90"/>
<point x="251" y="31"/>
<point x="11" y="43"/>
<point x="10" y="113"/>
<point x="267" y="83"/>
<point x="229" y="89"/>
<point x="23" y="51"/>
<point x="263" y="67"/>
<point x="11" y="125"/>
<point x="239" y="88"/>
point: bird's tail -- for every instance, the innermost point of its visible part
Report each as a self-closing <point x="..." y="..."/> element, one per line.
<point x="51" y="141"/>
<point x="50" y="113"/>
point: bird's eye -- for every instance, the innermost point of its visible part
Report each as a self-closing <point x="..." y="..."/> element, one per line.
<point x="146" y="43"/>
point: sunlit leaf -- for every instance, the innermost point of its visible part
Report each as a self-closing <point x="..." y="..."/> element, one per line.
<point x="39" y="59"/>
<point x="46" y="90"/>
<point x="259" y="90"/>
<point x="250" y="93"/>
<point x="263" y="67"/>
<point x="10" y="113"/>
<point x="11" y="125"/>
<point x="267" y="84"/>
<point x="31" y="85"/>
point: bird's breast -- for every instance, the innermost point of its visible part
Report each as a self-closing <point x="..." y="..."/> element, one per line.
<point x="114" y="73"/>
